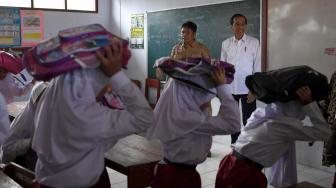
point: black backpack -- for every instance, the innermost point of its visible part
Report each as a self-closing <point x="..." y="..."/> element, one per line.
<point x="281" y="84"/>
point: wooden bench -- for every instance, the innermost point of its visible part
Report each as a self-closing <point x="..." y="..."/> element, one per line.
<point x="6" y="181"/>
<point x="135" y="157"/>
<point x="305" y="185"/>
<point x="19" y="174"/>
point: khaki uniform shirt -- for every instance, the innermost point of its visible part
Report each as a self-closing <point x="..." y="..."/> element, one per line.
<point x="195" y="49"/>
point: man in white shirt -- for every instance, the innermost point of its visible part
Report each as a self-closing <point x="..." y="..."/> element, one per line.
<point x="243" y="52"/>
<point x="268" y="134"/>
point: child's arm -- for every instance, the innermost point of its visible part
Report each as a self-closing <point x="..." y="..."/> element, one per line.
<point x="227" y="120"/>
<point x="4" y="120"/>
<point x="292" y="129"/>
<point x="20" y="90"/>
<point x="295" y="129"/>
<point x="20" y="134"/>
<point x="137" y="115"/>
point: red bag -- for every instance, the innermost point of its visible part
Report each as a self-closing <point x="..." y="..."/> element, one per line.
<point x="10" y="62"/>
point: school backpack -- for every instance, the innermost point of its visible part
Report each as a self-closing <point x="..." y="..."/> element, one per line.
<point x="72" y="49"/>
<point x="281" y="84"/>
<point x="10" y="62"/>
<point x="185" y="70"/>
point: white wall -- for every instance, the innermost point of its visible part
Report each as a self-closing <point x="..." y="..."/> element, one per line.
<point x="122" y="13"/>
<point x="57" y="20"/>
<point x="299" y="31"/>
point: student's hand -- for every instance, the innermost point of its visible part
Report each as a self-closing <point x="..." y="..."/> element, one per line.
<point x="218" y="75"/>
<point x="304" y="94"/>
<point x="250" y="97"/>
<point x="111" y="61"/>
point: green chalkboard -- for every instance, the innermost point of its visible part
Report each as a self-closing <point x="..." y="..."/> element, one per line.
<point x="213" y="23"/>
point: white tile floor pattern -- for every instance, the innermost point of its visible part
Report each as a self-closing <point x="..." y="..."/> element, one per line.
<point x="208" y="169"/>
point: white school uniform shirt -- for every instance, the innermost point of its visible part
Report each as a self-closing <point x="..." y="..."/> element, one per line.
<point x="270" y="131"/>
<point x="10" y="88"/>
<point x="22" y="128"/>
<point x="184" y="130"/>
<point x="244" y="54"/>
<point x="73" y="131"/>
<point x="4" y="120"/>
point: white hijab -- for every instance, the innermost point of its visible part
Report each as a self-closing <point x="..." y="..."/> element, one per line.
<point x="178" y="112"/>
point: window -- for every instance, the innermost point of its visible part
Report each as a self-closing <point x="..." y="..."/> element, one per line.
<point x="87" y="5"/>
<point x="66" y="5"/>
<point x="16" y="3"/>
<point x="51" y="4"/>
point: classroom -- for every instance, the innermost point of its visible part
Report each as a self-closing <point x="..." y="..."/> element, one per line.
<point x="168" y="94"/>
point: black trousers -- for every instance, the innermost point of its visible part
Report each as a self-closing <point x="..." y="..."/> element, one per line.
<point x="247" y="109"/>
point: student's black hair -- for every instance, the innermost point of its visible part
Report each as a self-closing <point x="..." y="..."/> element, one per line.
<point x="236" y="16"/>
<point x="190" y="25"/>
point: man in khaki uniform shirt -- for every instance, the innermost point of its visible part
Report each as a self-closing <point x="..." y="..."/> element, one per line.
<point x="188" y="47"/>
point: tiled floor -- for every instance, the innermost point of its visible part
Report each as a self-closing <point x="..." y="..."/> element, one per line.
<point x="208" y="169"/>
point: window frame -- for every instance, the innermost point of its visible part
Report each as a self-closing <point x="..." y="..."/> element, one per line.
<point x="59" y="10"/>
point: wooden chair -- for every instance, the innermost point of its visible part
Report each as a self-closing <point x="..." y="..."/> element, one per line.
<point x="137" y="83"/>
<point x="152" y="84"/>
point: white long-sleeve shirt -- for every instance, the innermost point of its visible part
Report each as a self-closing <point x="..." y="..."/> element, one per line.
<point x="193" y="147"/>
<point x="20" y="135"/>
<point x="4" y="119"/>
<point x="10" y="88"/>
<point x="73" y="131"/>
<point x="244" y="54"/>
<point x="270" y="138"/>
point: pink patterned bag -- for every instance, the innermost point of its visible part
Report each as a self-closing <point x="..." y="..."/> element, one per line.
<point x="72" y="49"/>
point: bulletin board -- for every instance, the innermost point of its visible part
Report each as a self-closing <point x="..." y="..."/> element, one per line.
<point x="10" y="27"/>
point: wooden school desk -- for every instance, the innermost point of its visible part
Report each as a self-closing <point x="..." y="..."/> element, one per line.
<point x="135" y="157"/>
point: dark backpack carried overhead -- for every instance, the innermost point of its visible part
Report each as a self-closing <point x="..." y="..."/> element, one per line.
<point x="281" y="84"/>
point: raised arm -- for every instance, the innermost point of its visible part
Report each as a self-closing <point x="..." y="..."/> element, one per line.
<point x="227" y="120"/>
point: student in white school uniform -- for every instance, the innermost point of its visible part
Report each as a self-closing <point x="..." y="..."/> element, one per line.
<point x="4" y="120"/>
<point x="185" y="130"/>
<point x="269" y="133"/>
<point x="18" y="143"/>
<point x="9" y="87"/>
<point x="243" y="51"/>
<point x="73" y="131"/>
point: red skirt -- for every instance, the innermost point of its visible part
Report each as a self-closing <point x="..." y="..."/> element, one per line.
<point x="103" y="182"/>
<point x="236" y="173"/>
<point x="172" y="176"/>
